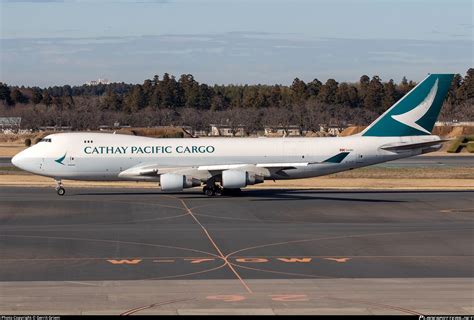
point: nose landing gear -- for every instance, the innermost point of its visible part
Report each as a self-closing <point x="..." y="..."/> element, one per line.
<point x="59" y="188"/>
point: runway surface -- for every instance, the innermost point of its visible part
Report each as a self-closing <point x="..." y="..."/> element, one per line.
<point x="116" y="234"/>
<point x="139" y="251"/>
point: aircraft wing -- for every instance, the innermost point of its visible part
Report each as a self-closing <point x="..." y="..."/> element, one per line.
<point x="273" y="167"/>
<point x="152" y="171"/>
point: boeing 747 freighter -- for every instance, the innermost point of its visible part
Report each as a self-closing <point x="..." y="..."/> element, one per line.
<point x="222" y="164"/>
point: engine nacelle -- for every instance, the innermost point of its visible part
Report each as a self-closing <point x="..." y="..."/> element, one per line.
<point x="234" y="179"/>
<point x="177" y="182"/>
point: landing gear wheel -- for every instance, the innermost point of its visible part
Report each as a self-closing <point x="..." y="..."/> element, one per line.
<point x="208" y="192"/>
<point x="59" y="188"/>
<point x="61" y="191"/>
<point x="218" y="191"/>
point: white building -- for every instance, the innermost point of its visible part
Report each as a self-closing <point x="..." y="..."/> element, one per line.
<point x="227" y="131"/>
<point x="10" y="123"/>
<point x="193" y="132"/>
<point x="454" y="123"/>
<point x="333" y="130"/>
<point x="289" y="131"/>
<point x="98" y="81"/>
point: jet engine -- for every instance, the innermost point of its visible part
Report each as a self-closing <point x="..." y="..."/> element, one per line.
<point x="234" y="179"/>
<point x="177" y="182"/>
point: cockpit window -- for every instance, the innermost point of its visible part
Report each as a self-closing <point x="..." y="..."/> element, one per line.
<point x="45" y="140"/>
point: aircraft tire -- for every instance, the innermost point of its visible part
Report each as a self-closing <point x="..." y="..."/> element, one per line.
<point x="208" y="192"/>
<point x="218" y="192"/>
<point x="61" y="191"/>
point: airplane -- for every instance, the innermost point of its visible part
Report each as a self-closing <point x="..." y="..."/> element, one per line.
<point x="225" y="165"/>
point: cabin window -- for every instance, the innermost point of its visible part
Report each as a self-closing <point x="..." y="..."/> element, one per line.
<point x="45" y="140"/>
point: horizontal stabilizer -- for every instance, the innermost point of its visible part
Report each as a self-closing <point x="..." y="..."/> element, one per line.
<point x="410" y="146"/>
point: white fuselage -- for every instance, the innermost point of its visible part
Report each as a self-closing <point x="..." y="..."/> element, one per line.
<point x="102" y="156"/>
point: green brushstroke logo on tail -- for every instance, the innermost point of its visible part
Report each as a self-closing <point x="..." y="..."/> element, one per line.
<point x="60" y="160"/>
<point x="416" y="113"/>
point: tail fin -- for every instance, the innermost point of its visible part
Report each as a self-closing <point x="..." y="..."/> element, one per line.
<point x="414" y="114"/>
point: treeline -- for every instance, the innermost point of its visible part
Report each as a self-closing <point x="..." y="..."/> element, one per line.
<point x="185" y="101"/>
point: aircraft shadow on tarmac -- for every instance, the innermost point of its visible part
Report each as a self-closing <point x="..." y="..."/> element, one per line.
<point x="286" y="194"/>
<point x="268" y="195"/>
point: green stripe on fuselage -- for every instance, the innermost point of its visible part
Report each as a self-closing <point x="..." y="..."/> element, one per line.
<point x="337" y="158"/>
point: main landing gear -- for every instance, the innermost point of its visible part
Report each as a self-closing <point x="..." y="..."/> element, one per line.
<point x="212" y="189"/>
<point x="59" y="188"/>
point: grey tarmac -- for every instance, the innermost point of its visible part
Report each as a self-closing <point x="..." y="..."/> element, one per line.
<point x="265" y="251"/>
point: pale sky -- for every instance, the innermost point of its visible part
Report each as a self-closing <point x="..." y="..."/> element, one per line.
<point x="48" y="42"/>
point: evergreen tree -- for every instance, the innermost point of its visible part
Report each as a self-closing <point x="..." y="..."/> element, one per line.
<point x="347" y="95"/>
<point x="190" y="89"/>
<point x="390" y="94"/>
<point x="328" y="92"/>
<point x="156" y="80"/>
<point x="135" y="100"/>
<point x="454" y="89"/>
<point x="112" y="101"/>
<point x="403" y="87"/>
<point x="5" y="94"/>
<point x="364" y="82"/>
<point x="314" y="87"/>
<point x="466" y="90"/>
<point x="36" y="96"/>
<point x="374" y="95"/>
<point x="47" y="99"/>
<point x="275" y="97"/>
<point x="155" y="99"/>
<point x="298" y="90"/>
<point x="18" y="97"/>
<point x="205" y="96"/>
<point x="147" y="91"/>
<point x="171" y="95"/>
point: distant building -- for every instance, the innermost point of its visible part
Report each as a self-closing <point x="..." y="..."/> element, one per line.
<point x="227" y="131"/>
<point x="98" y="81"/>
<point x="10" y="123"/>
<point x="333" y="130"/>
<point x="288" y="131"/>
<point x="196" y="133"/>
<point x="56" y="128"/>
<point x="454" y="123"/>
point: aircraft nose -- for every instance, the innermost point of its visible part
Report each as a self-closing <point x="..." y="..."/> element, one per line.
<point x="19" y="160"/>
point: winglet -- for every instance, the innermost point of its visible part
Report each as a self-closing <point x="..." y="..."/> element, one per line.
<point x="337" y="158"/>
